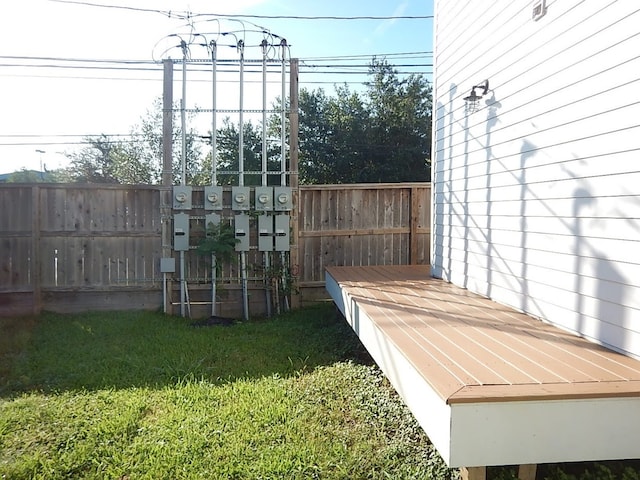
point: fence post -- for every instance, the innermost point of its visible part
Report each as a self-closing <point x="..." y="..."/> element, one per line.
<point x="167" y="172"/>
<point x="413" y="227"/>
<point x="293" y="166"/>
<point x="36" y="249"/>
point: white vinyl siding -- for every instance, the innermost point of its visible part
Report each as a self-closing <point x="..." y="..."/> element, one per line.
<point x="537" y="195"/>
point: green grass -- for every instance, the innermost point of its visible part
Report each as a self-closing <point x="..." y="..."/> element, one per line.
<point x="126" y="349"/>
<point x="134" y="395"/>
<point x="142" y="395"/>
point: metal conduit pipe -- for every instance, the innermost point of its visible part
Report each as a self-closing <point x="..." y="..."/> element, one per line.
<point x="214" y="165"/>
<point x="283" y="158"/>
<point x="243" y="255"/>
<point x="183" y="176"/>
<point x="265" y="166"/>
<point x="283" y="116"/>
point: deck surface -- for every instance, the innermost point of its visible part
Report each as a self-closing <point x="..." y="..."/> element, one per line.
<point x="470" y="349"/>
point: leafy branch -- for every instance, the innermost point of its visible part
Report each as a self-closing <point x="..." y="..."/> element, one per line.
<point x="220" y="241"/>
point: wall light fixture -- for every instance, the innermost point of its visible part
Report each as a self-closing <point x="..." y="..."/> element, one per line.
<point x="472" y="101"/>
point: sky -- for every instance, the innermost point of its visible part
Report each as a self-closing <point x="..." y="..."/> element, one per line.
<point x="71" y="69"/>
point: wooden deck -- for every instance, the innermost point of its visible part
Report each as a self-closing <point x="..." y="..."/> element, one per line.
<point x="490" y="385"/>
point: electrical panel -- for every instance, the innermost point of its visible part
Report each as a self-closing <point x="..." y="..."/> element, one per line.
<point x="182" y="197"/>
<point x="264" y="199"/>
<point x="241" y="229"/>
<point x="240" y="198"/>
<point x="181" y="232"/>
<point x="212" y="198"/>
<point x="281" y="233"/>
<point x="283" y="198"/>
<point x="265" y="233"/>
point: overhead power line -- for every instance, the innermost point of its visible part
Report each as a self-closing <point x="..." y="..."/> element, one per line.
<point x="190" y="15"/>
<point x="136" y="61"/>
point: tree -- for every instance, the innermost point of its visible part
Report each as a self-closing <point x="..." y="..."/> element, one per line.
<point x="382" y="135"/>
<point x="136" y="161"/>
<point x="32" y="176"/>
<point x="400" y="120"/>
<point x="94" y="163"/>
<point x="228" y="141"/>
<point x="148" y="145"/>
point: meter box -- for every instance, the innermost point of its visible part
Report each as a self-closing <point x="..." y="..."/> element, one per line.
<point x="181" y="197"/>
<point x="211" y="219"/>
<point x="264" y="199"/>
<point x="265" y="233"/>
<point x="241" y="229"/>
<point x="181" y="232"/>
<point x="281" y="233"/>
<point x="240" y="198"/>
<point x="212" y="198"/>
<point x="282" y="198"/>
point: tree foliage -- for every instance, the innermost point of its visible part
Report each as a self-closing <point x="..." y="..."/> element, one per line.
<point x="137" y="161"/>
<point x="379" y="134"/>
<point x="228" y="157"/>
<point x="33" y="176"/>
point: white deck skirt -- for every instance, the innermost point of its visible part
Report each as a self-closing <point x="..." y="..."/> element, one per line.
<point x="500" y="433"/>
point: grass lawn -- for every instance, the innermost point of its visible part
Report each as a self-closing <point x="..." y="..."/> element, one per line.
<point x="138" y="395"/>
<point x="132" y="395"/>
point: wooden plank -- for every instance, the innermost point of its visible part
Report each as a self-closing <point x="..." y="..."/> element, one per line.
<point x="545" y="391"/>
<point x="36" y="257"/>
<point x="362" y="186"/>
<point x="527" y="472"/>
<point x="355" y="232"/>
<point x="473" y="473"/>
<point x="413" y="235"/>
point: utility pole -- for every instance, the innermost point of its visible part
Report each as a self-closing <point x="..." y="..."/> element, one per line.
<point x="41" y="152"/>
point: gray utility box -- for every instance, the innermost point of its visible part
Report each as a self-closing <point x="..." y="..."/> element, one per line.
<point x="181" y="197"/>
<point x="167" y="265"/>
<point x="282" y="233"/>
<point x="265" y="233"/>
<point x="282" y="199"/>
<point x="212" y="198"/>
<point x="240" y="198"/>
<point x="181" y="232"/>
<point x="264" y="199"/>
<point x="241" y="229"/>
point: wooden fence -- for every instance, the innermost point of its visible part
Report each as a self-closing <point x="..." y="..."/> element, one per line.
<point x="72" y="248"/>
<point x="370" y="224"/>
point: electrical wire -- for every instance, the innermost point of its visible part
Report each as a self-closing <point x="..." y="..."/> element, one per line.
<point x="189" y="16"/>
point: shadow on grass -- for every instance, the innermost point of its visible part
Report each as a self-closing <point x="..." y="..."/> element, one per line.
<point x="137" y="349"/>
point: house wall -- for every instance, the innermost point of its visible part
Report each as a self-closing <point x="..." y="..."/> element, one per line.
<point x="537" y="195"/>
